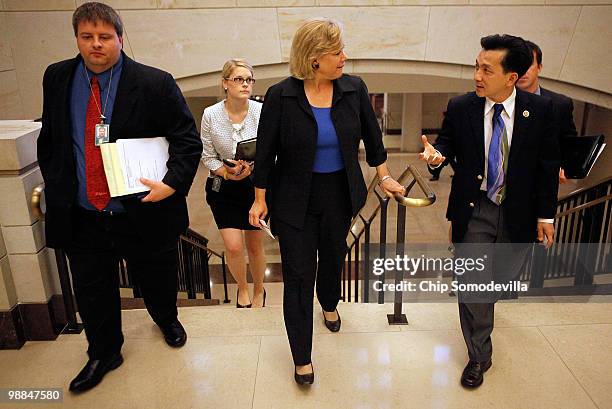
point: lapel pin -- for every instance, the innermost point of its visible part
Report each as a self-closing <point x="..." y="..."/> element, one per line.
<point x="526" y="114"/>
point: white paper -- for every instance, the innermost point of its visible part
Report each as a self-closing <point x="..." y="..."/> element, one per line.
<point x="142" y="158"/>
<point x="265" y="228"/>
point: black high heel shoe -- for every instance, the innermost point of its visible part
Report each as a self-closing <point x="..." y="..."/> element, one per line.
<point x="306" y="379"/>
<point x="333" y="326"/>
<point x="264" y="301"/>
<point x="238" y="305"/>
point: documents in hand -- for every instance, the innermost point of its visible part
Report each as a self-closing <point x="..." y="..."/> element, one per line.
<point x="579" y="154"/>
<point x="245" y="150"/>
<point x="128" y="160"/>
<point x="266" y="228"/>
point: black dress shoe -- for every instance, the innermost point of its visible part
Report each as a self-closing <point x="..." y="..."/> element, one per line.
<point x="174" y="333"/>
<point x="238" y="305"/>
<point x="93" y="372"/>
<point x="306" y="379"/>
<point x="333" y="326"/>
<point x="472" y="376"/>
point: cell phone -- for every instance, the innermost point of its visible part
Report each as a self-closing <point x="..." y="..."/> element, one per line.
<point x="228" y="163"/>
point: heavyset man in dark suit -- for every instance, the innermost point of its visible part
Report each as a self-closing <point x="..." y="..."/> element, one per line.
<point x="505" y="185"/>
<point x="103" y="86"/>
<point x="563" y="106"/>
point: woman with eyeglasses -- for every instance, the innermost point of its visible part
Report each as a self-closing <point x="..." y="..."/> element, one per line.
<point x="307" y="155"/>
<point x="229" y="189"/>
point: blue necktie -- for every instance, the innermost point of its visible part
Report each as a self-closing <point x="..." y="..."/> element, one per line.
<point x="498" y="158"/>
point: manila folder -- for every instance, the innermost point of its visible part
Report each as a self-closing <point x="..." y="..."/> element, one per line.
<point x="128" y="160"/>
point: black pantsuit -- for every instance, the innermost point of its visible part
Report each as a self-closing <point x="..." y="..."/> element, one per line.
<point x="311" y="212"/>
<point x="328" y="218"/>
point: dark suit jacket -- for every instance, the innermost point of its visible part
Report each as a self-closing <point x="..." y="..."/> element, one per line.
<point x="287" y="139"/>
<point x="563" y="108"/>
<point x="148" y="104"/>
<point x="533" y="164"/>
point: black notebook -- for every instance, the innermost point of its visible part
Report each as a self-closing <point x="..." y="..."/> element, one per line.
<point x="579" y="153"/>
<point x="245" y="150"/>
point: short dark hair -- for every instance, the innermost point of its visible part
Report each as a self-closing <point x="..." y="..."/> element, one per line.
<point x="94" y="11"/>
<point x="534" y="48"/>
<point x="518" y="57"/>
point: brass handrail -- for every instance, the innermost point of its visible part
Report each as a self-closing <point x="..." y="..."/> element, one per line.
<point x="404" y="201"/>
<point x="35" y="201"/>
<point x="414" y="201"/>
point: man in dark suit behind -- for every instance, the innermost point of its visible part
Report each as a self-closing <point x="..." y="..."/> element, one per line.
<point x="506" y="180"/>
<point x="563" y="106"/>
<point x="103" y="92"/>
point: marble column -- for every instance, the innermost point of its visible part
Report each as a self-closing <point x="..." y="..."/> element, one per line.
<point x="29" y="272"/>
<point x="412" y="123"/>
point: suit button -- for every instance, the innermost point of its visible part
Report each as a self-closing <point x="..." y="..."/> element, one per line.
<point x="471" y="204"/>
<point x="479" y="177"/>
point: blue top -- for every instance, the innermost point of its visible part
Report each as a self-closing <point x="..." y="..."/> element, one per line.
<point x="79" y="99"/>
<point x="328" y="157"/>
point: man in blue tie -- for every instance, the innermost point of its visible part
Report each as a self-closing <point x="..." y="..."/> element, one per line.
<point x="505" y="185"/>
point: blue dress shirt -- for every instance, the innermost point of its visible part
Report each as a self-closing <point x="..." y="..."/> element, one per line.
<point x="78" y="111"/>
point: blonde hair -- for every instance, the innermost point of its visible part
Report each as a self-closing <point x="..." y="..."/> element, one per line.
<point x="230" y="65"/>
<point x="313" y="39"/>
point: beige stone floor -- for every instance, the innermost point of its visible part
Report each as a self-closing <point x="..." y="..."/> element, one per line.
<point x="545" y="356"/>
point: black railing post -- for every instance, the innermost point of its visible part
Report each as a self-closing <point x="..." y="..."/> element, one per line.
<point x="384" y="203"/>
<point x="366" y="260"/>
<point x="206" y="269"/>
<point x="356" y="246"/>
<point x="72" y="326"/>
<point x="226" y="300"/>
<point x="397" y="318"/>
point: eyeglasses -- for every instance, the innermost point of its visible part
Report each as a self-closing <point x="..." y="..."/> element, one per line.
<point x="240" y="80"/>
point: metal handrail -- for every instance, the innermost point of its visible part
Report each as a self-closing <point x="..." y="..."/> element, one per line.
<point x="425" y="188"/>
<point x="583" y="189"/>
<point x="35" y="201"/>
<point x="382" y="208"/>
<point x="583" y="206"/>
<point x="72" y="325"/>
<point x="403" y="200"/>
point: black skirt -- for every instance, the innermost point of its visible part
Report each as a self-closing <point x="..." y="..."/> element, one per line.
<point x="231" y="204"/>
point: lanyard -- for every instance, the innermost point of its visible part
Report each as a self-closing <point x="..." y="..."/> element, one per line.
<point x="102" y="117"/>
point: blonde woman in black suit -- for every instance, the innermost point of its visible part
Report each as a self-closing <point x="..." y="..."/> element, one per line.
<point x="307" y="154"/>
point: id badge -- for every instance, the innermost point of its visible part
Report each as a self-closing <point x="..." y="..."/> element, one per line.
<point x="102" y="134"/>
<point x="216" y="184"/>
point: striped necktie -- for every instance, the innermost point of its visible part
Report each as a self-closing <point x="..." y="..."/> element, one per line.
<point x="497" y="163"/>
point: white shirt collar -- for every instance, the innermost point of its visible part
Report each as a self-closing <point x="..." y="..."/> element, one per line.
<point x="508" y="104"/>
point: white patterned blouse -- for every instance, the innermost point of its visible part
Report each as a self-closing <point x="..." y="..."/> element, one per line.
<point x="220" y="137"/>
